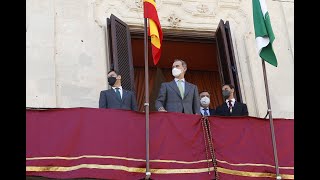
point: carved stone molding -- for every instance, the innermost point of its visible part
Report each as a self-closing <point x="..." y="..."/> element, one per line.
<point x="174" y="2"/>
<point x="137" y="5"/>
<point x="185" y="14"/>
<point x="229" y="3"/>
<point x="202" y="8"/>
<point x="206" y="9"/>
<point x="133" y="5"/>
<point x="174" y="21"/>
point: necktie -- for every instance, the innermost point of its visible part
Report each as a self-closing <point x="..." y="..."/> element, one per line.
<point x="230" y="105"/>
<point x="180" y="88"/>
<point x="118" y="93"/>
<point x="205" y="110"/>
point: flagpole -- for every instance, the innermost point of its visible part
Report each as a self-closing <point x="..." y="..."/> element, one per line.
<point x="146" y="104"/>
<point x="271" y="120"/>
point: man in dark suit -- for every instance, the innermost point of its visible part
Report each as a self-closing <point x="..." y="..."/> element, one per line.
<point x="116" y="97"/>
<point x="178" y="95"/>
<point x="231" y="107"/>
<point x="204" y="104"/>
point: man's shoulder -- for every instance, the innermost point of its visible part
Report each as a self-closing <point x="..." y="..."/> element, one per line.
<point x="242" y="104"/>
<point x="128" y="91"/>
<point x="106" y="90"/>
<point x="190" y="83"/>
<point x="166" y="83"/>
<point x="220" y="106"/>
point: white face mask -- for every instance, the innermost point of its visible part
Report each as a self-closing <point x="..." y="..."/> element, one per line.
<point x="205" y="101"/>
<point x="176" y="72"/>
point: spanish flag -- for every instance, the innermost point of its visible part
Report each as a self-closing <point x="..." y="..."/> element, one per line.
<point x="155" y="30"/>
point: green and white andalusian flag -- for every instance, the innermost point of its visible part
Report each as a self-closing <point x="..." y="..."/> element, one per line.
<point x="263" y="32"/>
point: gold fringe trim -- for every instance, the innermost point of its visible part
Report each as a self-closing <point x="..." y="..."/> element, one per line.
<point x="253" y="174"/>
<point x="156" y="160"/>
<point x="252" y="164"/>
<point x="155" y="171"/>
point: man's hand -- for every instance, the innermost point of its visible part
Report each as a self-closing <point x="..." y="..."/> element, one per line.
<point x="161" y="109"/>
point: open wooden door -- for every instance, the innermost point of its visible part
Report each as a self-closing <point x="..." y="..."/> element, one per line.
<point x="226" y="59"/>
<point x="121" y="51"/>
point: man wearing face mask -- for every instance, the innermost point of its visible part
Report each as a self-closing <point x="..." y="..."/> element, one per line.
<point x="204" y="104"/>
<point x="178" y="95"/>
<point x="116" y="97"/>
<point x="231" y="107"/>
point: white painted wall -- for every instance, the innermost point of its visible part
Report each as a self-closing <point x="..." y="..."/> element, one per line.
<point x="66" y="54"/>
<point x="40" y="54"/>
<point x="66" y="47"/>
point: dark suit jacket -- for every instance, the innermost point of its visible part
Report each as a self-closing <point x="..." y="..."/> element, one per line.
<point x="170" y="98"/>
<point x="109" y="99"/>
<point x="239" y="109"/>
<point x="211" y="111"/>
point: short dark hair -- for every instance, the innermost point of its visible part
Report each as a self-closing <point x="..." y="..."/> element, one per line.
<point x="204" y="91"/>
<point x="230" y="85"/>
<point x="184" y="64"/>
<point x="112" y="70"/>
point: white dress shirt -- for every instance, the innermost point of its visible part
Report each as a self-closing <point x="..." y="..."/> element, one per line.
<point x="202" y="111"/>
<point x="232" y="102"/>
<point x="120" y="89"/>
<point x="182" y="82"/>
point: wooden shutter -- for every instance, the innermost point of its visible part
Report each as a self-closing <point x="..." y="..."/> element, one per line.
<point x="121" y="59"/>
<point x="226" y="59"/>
<point x="233" y="64"/>
<point x="108" y="34"/>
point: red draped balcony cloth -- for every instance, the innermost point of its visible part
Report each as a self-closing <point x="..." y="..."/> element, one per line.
<point x="110" y="144"/>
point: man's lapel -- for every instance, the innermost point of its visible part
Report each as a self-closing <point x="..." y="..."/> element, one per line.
<point x="235" y="107"/>
<point x="174" y="86"/>
<point x="226" y="107"/>
<point x="124" y="95"/>
<point x="187" y="87"/>
<point x="114" y="94"/>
